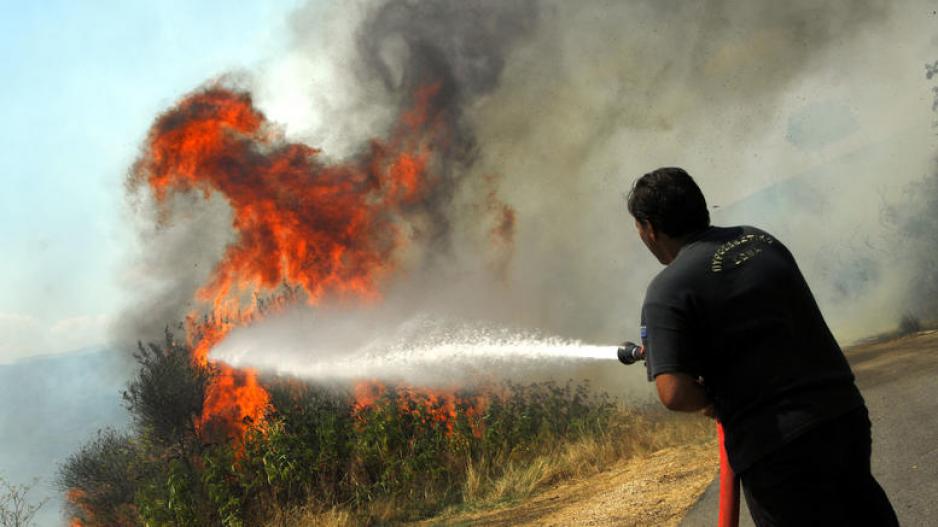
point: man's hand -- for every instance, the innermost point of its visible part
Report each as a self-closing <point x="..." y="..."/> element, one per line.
<point x="681" y="392"/>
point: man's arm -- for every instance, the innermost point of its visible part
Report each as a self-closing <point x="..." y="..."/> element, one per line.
<point x="681" y="392"/>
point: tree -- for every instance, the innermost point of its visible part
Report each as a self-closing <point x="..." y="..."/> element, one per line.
<point x="167" y="394"/>
<point x="15" y="508"/>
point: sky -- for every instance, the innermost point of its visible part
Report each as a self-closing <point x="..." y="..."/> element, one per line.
<point x="82" y="82"/>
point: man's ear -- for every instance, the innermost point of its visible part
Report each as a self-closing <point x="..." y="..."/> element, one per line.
<point x="650" y="230"/>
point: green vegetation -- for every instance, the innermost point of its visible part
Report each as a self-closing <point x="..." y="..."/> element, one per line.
<point x="322" y="457"/>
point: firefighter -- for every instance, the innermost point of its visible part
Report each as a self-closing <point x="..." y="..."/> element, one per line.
<point x="731" y="328"/>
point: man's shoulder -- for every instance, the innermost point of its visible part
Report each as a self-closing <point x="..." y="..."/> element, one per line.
<point x="675" y="277"/>
<point x="723" y="241"/>
<point x="735" y="231"/>
<point x="697" y="262"/>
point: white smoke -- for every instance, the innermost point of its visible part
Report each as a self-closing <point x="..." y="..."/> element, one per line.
<point x="798" y="117"/>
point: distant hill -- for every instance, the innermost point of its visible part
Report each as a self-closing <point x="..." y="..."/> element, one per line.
<point x="48" y="407"/>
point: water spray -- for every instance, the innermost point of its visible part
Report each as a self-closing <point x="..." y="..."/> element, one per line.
<point x="421" y="349"/>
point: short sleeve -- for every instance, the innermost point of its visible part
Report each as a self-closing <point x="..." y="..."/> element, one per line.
<point x="671" y="343"/>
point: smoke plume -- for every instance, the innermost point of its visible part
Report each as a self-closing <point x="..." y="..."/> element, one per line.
<point x="530" y="120"/>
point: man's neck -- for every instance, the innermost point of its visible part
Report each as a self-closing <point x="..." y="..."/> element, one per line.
<point x="672" y="246"/>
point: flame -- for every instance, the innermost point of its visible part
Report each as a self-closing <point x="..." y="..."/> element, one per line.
<point x="330" y="230"/>
<point x="77" y="498"/>
<point x="501" y="233"/>
<point x="433" y="405"/>
<point x="367" y="393"/>
<point x="234" y="401"/>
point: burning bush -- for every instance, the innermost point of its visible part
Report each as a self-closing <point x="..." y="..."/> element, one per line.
<point x="322" y="447"/>
<point x="101" y="480"/>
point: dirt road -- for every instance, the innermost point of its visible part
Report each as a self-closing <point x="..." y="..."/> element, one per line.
<point x="676" y="486"/>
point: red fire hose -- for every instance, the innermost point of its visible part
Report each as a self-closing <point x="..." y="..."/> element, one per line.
<point x="630" y="353"/>
<point x="729" y="488"/>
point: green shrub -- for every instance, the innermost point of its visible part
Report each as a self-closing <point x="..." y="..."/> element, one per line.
<point x="166" y="396"/>
<point x="100" y="480"/>
<point x="318" y="448"/>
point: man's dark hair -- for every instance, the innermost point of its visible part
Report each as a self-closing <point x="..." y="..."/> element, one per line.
<point x="669" y="199"/>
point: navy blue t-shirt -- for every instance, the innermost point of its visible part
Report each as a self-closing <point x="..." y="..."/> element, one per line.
<point x="734" y="310"/>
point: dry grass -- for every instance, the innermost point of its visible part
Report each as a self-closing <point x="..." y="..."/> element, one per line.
<point x="637" y="434"/>
<point x="307" y="516"/>
<point x="634" y="433"/>
<point x="650" y="489"/>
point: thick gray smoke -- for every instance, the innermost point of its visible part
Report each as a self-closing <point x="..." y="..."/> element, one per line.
<point x="747" y="96"/>
<point x="171" y="262"/>
<point x="608" y="91"/>
<point x="459" y="47"/>
<point x="915" y="220"/>
<point x="799" y="117"/>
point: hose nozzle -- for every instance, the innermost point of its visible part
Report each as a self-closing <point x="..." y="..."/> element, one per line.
<point x="630" y="353"/>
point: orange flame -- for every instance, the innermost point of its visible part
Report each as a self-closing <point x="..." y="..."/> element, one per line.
<point x="234" y="401"/>
<point x="76" y="497"/>
<point x="329" y="229"/>
<point x="435" y="405"/>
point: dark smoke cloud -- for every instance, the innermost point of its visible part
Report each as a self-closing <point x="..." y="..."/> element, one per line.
<point x="555" y="107"/>
<point x="462" y="47"/>
<point x="462" y="44"/>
